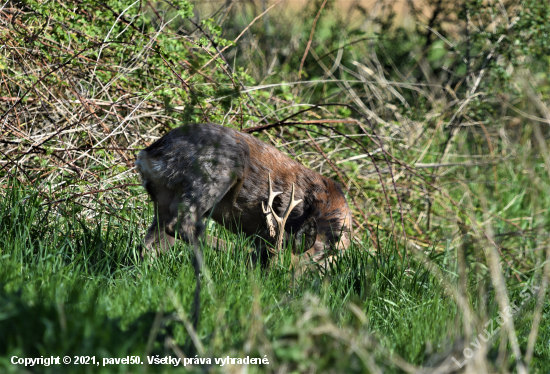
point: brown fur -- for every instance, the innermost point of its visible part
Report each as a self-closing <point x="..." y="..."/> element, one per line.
<point x="202" y="170"/>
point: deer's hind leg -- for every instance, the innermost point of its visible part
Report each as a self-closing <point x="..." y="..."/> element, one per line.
<point x="179" y="212"/>
<point x="158" y="239"/>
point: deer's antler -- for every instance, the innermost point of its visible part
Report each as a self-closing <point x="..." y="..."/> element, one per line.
<point x="268" y="211"/>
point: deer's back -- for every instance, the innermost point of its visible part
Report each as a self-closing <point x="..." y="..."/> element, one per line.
<point x="190" y="154"/>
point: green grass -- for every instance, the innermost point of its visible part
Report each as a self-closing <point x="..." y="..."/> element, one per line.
<point x="73" y="286"/>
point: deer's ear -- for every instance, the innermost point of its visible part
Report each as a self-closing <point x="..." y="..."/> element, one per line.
<point x="306" y="236"/>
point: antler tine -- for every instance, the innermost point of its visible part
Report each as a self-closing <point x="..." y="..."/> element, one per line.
<point x="272" y="195"/>
<point x="270" y="212"/>
<point x="292" y="205"/>
<point x="282" y="221"/>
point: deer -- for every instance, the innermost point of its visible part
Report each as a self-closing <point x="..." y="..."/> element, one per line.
<point x="201" y="171"/>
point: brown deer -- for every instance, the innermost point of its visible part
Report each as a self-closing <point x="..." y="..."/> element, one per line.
<point x="206" y="170"/>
